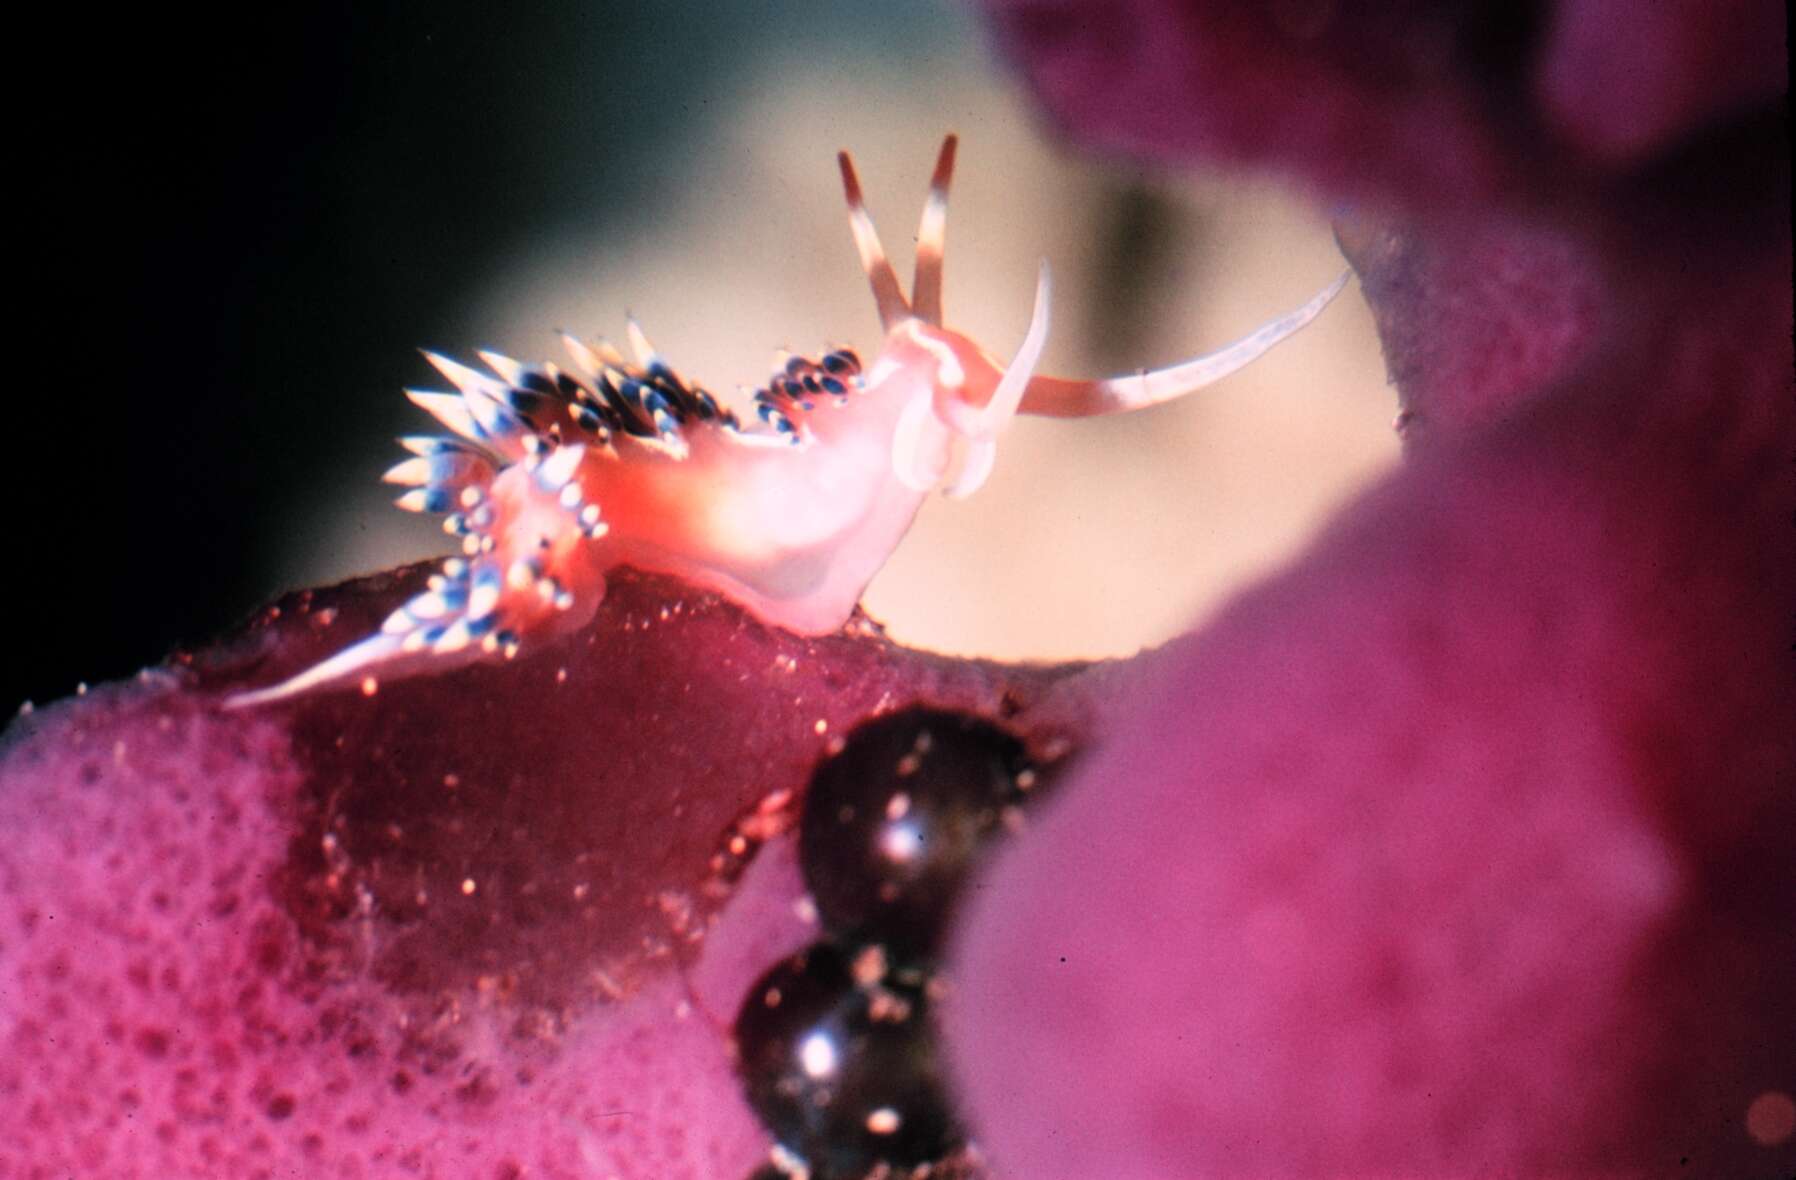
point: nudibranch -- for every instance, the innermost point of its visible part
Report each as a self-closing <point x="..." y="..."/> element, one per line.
<point x="788" y="503"/>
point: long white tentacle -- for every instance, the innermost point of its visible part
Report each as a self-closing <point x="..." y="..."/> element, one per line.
<point x="1056" y="397"/>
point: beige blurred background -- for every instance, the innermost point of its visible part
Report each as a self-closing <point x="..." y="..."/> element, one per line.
<point x="1091" y="538"/>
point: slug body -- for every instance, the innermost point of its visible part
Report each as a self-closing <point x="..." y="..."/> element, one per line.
<point x="552" y="475"/>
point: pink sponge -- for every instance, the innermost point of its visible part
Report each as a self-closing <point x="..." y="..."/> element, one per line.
<point x="1463" y="847"/>
<point x="165" y="1017"/>
<point x="491" y="924"/>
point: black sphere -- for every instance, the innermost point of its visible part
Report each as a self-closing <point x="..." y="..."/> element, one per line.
<point x="893" y="824"/>
<point x="845" y="1076"/>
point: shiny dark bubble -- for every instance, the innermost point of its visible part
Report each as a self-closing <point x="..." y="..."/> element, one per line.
<point x="844" y="1075"/>
<point x="894" y="824"/>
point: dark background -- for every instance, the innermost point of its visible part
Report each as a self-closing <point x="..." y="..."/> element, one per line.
<point x="241" y="224"/>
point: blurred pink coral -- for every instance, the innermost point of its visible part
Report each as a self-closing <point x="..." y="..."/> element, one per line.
<point x="1463" y="847"/>
<point x="1622" y="80"/>
<point x="1437" y="107"/>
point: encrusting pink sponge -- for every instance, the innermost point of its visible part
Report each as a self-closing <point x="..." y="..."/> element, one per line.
<point x="1462" y="847"/>
<point x="490" y="924"/>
